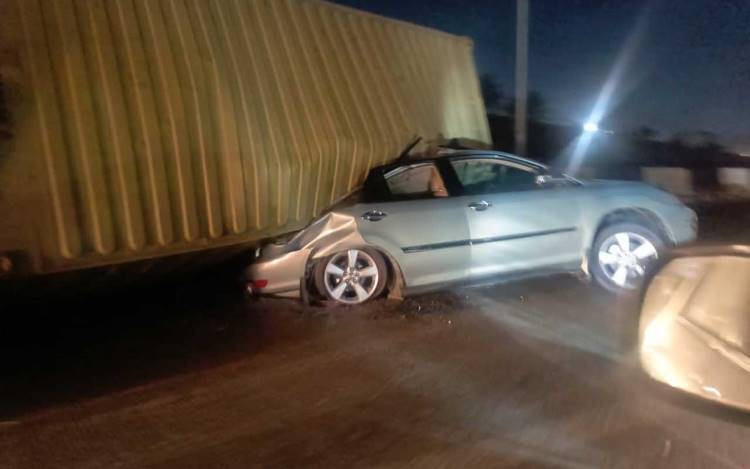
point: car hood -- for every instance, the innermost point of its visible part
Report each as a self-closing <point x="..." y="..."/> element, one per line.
<point x="630" y="188"/>
<point x="614" y="184"/>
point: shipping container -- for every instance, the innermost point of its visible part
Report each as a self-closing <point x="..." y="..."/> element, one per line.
<point x="137" y="129"/>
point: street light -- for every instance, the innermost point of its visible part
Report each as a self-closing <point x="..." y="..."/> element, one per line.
<point x="591" y="127"/>
<point x="577" y="150"/>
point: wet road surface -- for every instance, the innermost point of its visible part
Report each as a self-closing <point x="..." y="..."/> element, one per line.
<point x="530" y="374"/>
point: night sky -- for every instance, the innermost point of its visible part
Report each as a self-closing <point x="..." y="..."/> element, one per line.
<point x="688" y="67"/>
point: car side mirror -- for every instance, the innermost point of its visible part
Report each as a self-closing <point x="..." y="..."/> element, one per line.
<point x="543" y="180"/>
<point x="548" y="180"/>
<point x="694" y="331"/>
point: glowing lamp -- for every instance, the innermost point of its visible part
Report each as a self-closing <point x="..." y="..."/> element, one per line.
<point x="591" y="127"/>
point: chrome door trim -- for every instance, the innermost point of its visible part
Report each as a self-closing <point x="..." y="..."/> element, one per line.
<point x="532" y="234"/>
<point x="495" y="239"/>
<point x="480" y="206"/>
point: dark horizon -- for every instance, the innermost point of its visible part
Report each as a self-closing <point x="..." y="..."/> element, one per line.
<point x="683" y="66"/>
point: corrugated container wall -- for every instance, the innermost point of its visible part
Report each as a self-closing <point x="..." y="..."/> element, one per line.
<point x="134" y="129"/>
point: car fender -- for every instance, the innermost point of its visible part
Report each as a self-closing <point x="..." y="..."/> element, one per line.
<point x="343" y="238"/>
<point x="608" y="204"/>
<point x="338" y="232"/>
<point x="397" y="281"/>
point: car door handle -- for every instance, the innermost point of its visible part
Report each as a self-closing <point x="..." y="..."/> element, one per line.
<point x="480" y="206"/>
<point x="374" y="215"/>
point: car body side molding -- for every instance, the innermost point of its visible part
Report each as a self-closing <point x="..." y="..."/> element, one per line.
<point x="495" y="239"/>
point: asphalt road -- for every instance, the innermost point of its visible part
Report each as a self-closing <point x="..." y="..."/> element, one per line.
<point x="529" y="374"/>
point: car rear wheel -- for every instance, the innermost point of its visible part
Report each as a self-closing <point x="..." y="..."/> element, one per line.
<point x="621" y="255"/>
<point x="352" y="277"/>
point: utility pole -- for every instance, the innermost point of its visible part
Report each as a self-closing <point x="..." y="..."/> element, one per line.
<point x="522" y="72"/>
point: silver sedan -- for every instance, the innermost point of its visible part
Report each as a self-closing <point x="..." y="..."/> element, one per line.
<point x="472" y="216"/>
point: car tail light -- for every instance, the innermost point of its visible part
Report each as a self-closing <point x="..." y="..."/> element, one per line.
<point x="253" y="287"/>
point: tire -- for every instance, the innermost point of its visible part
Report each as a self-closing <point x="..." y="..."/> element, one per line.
<point x="608" y="258"/>
<point x="339" y="281"/>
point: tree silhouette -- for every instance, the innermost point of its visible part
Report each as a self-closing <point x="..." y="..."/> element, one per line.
<point x="536" y="107"/>
<point x="644" y="133"/>
<point x="694" y="148"/>
<point x="697" y="140"/>
<point x="491" y="92"/>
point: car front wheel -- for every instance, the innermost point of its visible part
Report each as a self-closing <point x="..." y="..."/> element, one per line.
<point x="622" y="253"/>
<point x="352" y="277"/>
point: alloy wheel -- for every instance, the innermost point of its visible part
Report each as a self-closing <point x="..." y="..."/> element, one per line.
<point x="623" y="257"/>
<point x="351" y="276"/>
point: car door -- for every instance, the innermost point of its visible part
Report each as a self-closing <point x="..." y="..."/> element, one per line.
<point x="420" y="224"/>
<point x="515" y="223"/>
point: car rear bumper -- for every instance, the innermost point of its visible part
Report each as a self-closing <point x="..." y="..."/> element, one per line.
<point x="279" y="276"/>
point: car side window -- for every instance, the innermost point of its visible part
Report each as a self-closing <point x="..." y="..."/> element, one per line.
<point x="422" y="180"/>
<point x="487" y="176"/>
